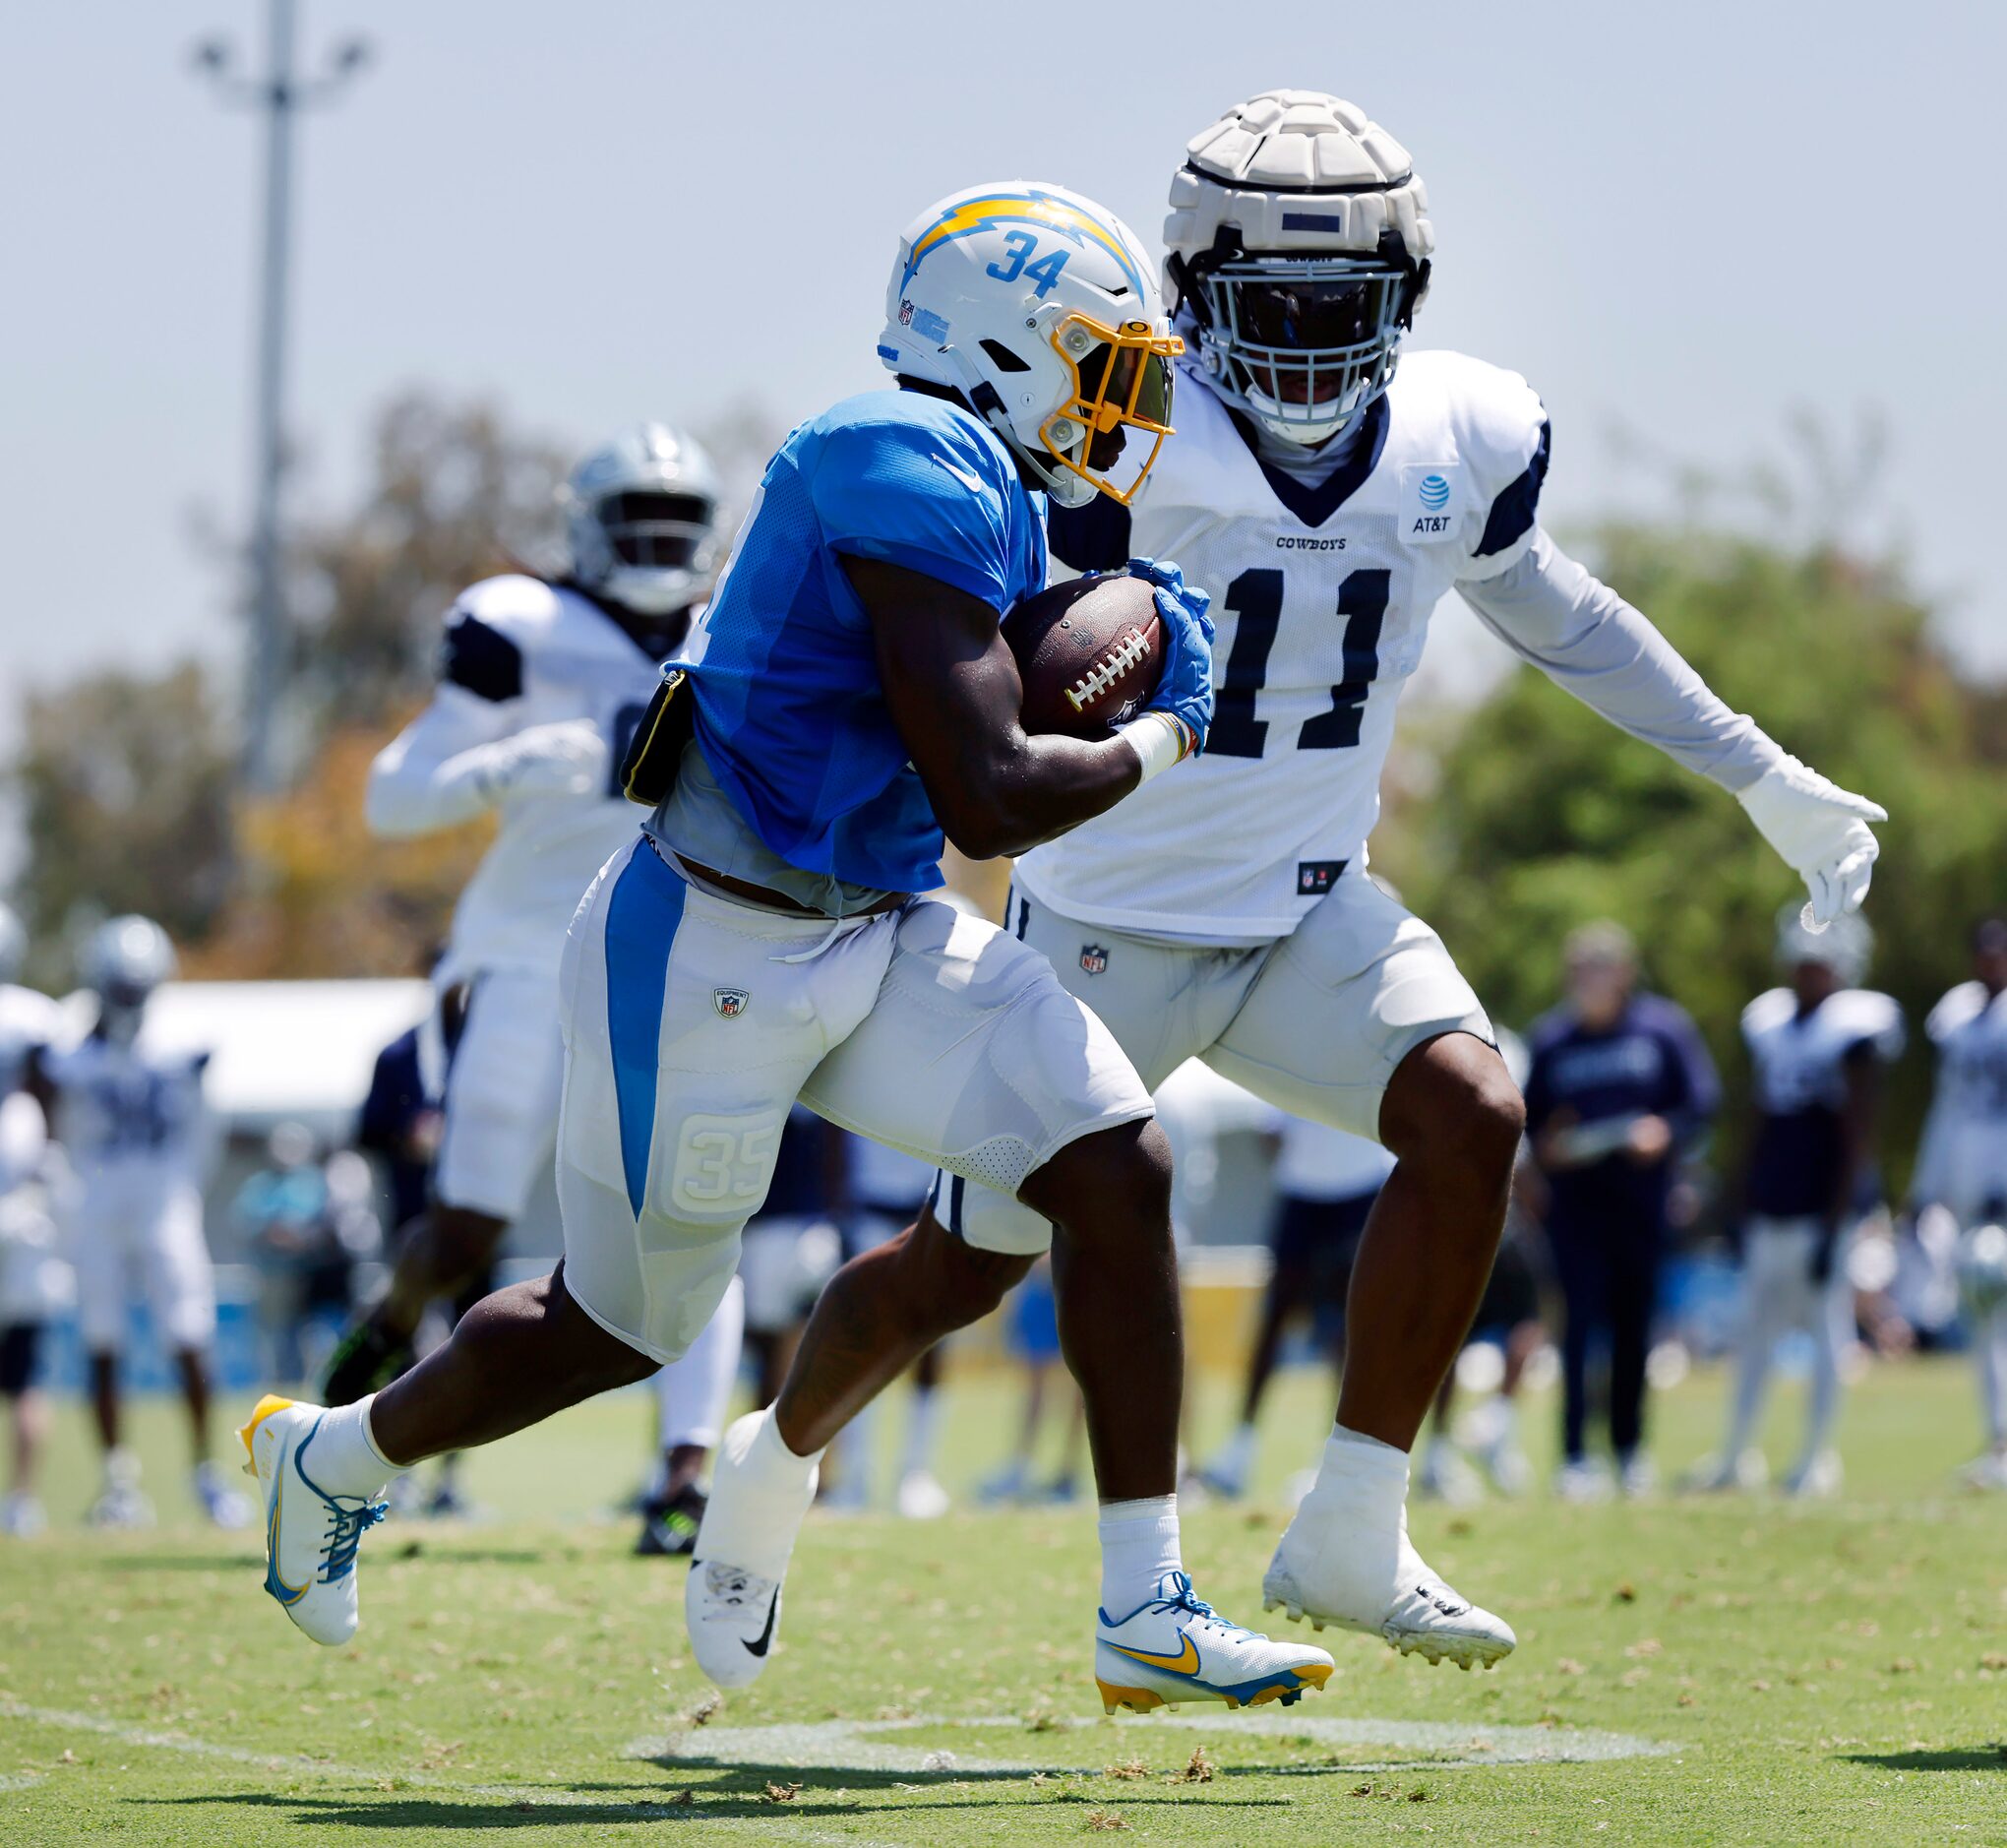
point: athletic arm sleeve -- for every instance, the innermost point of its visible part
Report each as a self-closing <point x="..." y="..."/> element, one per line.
<point x="428" y="777"/>
<point x="910" y="495"/>
<point x="1550" y="612"/>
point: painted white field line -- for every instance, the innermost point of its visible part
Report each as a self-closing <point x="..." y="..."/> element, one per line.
<point x="540" y="1796"/>
<point x="858" y="1744"/>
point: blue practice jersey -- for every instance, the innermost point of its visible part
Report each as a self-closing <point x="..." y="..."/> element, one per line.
<point x="790" y="716"/>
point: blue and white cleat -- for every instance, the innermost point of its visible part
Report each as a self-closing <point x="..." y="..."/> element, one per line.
<point x="1174" y="1647"/>
<point x="310" y="1535"/>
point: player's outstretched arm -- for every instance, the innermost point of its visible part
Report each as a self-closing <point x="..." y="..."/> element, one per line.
<point x="952" y="686"/>
<point x="458" y="759"/>
<point x="1550" y="612"/>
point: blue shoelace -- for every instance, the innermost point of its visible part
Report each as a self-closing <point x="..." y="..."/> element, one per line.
<point x="1194" y="1606"/>
<point x="345" y="1535"/>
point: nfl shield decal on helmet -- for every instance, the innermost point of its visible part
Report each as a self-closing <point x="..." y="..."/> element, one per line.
<point x="729" y="1001"/>
<point x="1093" y="957"/>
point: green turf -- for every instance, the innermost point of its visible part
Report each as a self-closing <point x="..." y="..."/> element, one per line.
<point x="1825" y="1673"/>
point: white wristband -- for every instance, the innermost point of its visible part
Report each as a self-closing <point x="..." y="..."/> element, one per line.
<point x="1159" y="740"/>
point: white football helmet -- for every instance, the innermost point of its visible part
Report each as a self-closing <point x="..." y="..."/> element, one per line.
<point x="1038" y="308"/>
<point x="1298" y="249"/>
<point x="13" y="944"/>
<point x="1844" y="946"/>
<point x="643" y="516"/>
<point x="126" y="960"/>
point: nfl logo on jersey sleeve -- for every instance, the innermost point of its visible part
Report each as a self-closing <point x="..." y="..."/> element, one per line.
<point x="1431" y="506"/>
<point x="1093" y="958"/>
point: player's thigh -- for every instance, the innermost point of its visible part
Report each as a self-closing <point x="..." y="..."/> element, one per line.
<point x="99" y="1258"/>
<point x="974" y="1058"/>
<point x="181" y="1287"/>
<point x="687" y="1038"/>
<point x="1339" y="1004"/>
<point x="501" y="1094"/>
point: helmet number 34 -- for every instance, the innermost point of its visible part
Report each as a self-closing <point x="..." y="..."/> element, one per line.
<point x="1045" y="272"/>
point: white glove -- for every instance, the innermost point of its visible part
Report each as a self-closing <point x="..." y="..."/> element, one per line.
<point x="569" y="758"/>
<point x="1820" y="831"/>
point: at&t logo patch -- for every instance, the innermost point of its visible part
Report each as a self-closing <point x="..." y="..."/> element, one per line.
<point x="1431" y="512"/>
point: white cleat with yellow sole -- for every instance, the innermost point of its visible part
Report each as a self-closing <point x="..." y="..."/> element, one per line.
<point x="1176" y="1647"/>
<point x="310" y="1535"/>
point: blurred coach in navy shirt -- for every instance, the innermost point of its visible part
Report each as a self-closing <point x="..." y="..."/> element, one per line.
<point x="1620" y="1084"/>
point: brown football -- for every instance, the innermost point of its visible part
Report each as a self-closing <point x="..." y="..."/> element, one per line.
<point x="1090" y="653"/>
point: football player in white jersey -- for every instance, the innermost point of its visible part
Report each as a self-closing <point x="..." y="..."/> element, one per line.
<point x="1962" y="1169"/>
<point x="1326" y="501"/>
<point x="29" y="1021"/>
<point x="1817" y="1049"/>
<point x="127" y="1107"/>
<point x="541" y="686"/>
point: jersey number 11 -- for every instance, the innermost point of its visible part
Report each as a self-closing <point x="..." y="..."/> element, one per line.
<point x="1255" y="598"/>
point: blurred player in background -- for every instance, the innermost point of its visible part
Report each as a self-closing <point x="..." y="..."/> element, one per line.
<point x="541" y="685"/>
<point x="1326" y="498"/>
<point x="886" y="1189"/>
<point x="28" y="1234"/>
<point x="128" y="1110"/>
<point x="1961" y="1170"/>
<point x="1619" y="1088"/>
<point x="1031" y="1341"/>
<point x="1817" y="1049"/>
<point x="1326" y="1181"/>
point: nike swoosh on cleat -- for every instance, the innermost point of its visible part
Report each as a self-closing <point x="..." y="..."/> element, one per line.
<point x="766" y="1634"/>
<point x="286" y="1594"/>
<point x="1184" y="1662"/>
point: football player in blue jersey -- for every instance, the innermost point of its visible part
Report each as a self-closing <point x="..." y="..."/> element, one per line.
<point x="845" y="701"/>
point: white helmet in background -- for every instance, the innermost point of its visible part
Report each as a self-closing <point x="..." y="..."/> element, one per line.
<point x="13" y="944"/>
<point x="1297" y="250"/>
<point x="126" y="960"/>
<point x="1038" y="308"/>
<point x="642" y="513"/>
<point x="1844" y="946"/>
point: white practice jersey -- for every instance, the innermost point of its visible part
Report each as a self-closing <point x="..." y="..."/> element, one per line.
<point x="131" y="1115"/>
<point x="27" y="1020"/>
<point x="1962" y="1161"/>
<point x="1322" y="591"/>
<point x="1322" y="595"/>
<point x="1799" y="1062"/>
<point x="1800" y="1059"/>
<point x="519" y="653"/>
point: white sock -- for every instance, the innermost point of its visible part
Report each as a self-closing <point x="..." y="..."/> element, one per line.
<point x="923" y="1425"/>
<point x="1138" y="1546"/>
<point x="343" y="1457"/>
<point x="753" y="1526"/>
<point x="1369" y="1477"/>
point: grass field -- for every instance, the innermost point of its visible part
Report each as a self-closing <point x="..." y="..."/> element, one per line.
<point x="1688" y="1672"/>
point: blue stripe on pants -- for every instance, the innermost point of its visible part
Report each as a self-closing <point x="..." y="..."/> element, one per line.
<point x="641" y="916"/>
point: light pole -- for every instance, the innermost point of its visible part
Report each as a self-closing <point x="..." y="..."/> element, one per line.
<point x="280" y="95"/>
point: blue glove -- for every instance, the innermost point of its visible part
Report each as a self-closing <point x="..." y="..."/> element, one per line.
<point x="1185" y="690"/>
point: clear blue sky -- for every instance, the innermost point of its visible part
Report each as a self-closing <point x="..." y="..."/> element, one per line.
<point x="1686" y="220"/>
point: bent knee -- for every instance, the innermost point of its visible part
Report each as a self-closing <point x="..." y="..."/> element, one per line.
<point x="1120" y="1174"/>
<point x="1453" y="1100"/>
